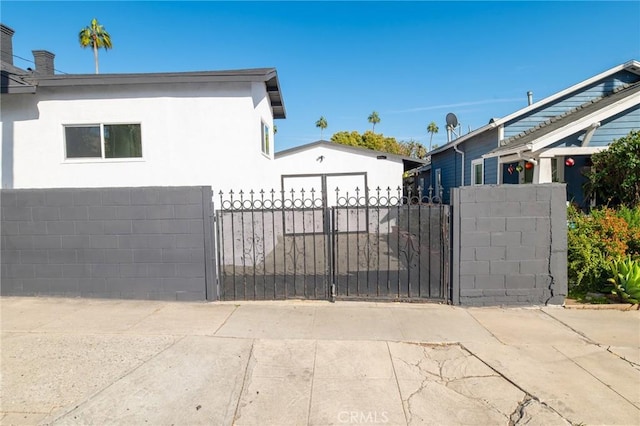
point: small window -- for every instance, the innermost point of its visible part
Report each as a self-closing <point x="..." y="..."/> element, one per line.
<point x="265" y="139"/>
<point x="477" y="172"/>
<point x="438" y="176"/>
<point x="102" y="141"/>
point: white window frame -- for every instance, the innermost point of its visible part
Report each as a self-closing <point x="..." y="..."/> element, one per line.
<point x="474" y="163"/>
<point x="438" y="182"/>
<point x="102" y="158"/>
<point x="265" y="139"/>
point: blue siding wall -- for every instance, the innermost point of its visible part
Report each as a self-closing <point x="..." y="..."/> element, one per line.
<point x="491" y="171"/>
<point x="512" y="178"/>
<point x="568" y="103"/>
<point x="449" y="162"/>
<point x="574" y="178"/>
<point x="474" y="148"/>
<point x="613" y="128"/>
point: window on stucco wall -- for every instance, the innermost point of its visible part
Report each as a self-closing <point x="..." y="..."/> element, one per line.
<point x="265" y="139"/>
<point x="103" y="141"/>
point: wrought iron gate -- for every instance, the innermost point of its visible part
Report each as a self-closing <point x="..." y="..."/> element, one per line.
<point x="370" y="245"/>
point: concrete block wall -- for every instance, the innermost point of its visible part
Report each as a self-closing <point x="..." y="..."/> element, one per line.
<point x="146" y="243"/>
<point x="509" y="244"/>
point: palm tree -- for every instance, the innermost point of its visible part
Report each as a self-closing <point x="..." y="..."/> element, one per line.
<point x="321" y="124"/>
<point x="96" y="36"/>
<point x="374" y="119"/>
<point x="432" y="128"/>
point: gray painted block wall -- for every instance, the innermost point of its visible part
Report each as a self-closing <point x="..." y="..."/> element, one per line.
<point x="509" y="245"/>
<point x="141" y="243"/>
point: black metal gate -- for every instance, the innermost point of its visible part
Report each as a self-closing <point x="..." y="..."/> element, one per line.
<point x="370" y="245"/>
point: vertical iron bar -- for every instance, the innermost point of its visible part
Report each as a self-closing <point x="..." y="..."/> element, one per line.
<point x="430" y="244"/>
<point x="295" y="243"/>
<point x="419" y="228"/>
<point x="264" y="252"/>
<point x="348" y="245"/>
<point x="399" y="206"/>
<point x="378" y="241"/>
<point x="233" y="249"/>
<point x="221" y="251"/>
<point x="409" y="245"/>
<point x="244" y="260"/>
<point x="357" y="242"/>
<point x="335" y="244"/>
<point x="388" y="241"/>
<point x="315" y="259"/>
<point x="304" y="248"/>
<point x="284" y="248"/>
<point x="253" y="245"/>
<point x="273" y="238"/>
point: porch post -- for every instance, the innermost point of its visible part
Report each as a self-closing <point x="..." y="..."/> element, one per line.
<point x="542" y="172"/>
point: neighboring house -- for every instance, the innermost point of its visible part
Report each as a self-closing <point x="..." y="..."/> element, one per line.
<point x="211" y="128"/>
<point x="556" y="136"/>
<point x="327" y="166"/>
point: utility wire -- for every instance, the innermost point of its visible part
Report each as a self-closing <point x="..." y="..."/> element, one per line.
<point x="30" y="61"/>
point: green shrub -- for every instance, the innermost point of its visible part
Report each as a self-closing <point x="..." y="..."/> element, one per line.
<point x="626" y="279"/>
<point x="632" y="217"/>
<point x="595" y="240"/>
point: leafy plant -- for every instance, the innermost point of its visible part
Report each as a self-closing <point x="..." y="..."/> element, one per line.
<point x="588" y="253"/>
<point x="632" y="217"/>
<point x="615" y="175"/>
<point x="626" y="279"/>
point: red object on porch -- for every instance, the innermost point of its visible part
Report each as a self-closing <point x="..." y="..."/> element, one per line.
<point x="569" y="162"/>
<point x="528" y="165"/>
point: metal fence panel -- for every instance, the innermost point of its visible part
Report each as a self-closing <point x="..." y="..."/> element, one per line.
<point x="373" y="245"/>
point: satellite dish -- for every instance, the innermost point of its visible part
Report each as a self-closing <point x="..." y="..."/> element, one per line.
<point x="452" y="120"/>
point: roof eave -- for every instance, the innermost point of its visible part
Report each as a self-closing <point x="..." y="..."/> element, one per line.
<point x="347" y="148"/>
<point x="632" y="66"/>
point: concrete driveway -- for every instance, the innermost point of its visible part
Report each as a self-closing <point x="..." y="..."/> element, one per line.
<point x="80" y="361"/>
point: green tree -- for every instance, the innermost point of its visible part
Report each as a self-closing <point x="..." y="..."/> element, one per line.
<point x="321" y="124"/>
<point x="347" y="138"/>
<point x="95" y="36"/>
<point x="432" y="129"/>
<point x="615" y="175"/>
<point x="374" y="119"/>
<point x="413" y="149"/>
<point x="379" y="142"/>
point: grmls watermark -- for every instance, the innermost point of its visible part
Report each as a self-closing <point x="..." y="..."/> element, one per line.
<point x="360" y="417"/>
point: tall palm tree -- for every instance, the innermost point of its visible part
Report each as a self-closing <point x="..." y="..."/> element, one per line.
<point x="96" y="36"/>
<point x="374" y="119"/>
<point x="432" y="128"/>
<point x="321" y="124"/>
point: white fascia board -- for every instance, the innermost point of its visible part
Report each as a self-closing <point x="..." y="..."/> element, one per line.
<point x="512" y="158"/>
<point x="568" y="90"/>
<point x="584" y="122"/>
<point x="567" y="151"/>
<point x="517" y="150"/>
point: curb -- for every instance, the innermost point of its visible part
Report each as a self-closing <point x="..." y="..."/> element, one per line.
<point x="572" y="304"/>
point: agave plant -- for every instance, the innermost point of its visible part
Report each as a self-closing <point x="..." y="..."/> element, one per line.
<point x="626" y="279"/>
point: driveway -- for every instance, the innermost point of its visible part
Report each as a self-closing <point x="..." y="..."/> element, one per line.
<point x="83" y="361"/>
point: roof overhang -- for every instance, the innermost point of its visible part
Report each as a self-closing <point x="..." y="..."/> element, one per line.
<point x="631" y="66"/>
<point x="268" y="76"/>
<point x="408" y="162"/>
<point x="587" y="123"/>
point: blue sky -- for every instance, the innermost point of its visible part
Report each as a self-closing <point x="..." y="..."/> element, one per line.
<point x="413" y="62"/>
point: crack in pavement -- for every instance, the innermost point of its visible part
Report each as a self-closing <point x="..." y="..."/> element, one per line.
<point x="631" y="363"/>
<point x="527" y="393"/>
<point x="518" y="413"/>
<point x="442" y="378"/>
